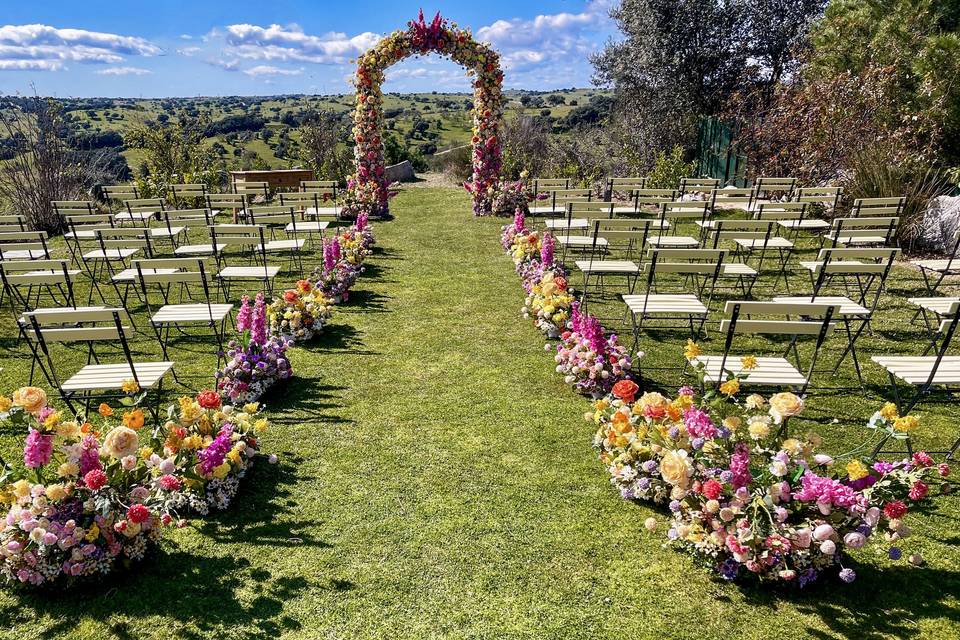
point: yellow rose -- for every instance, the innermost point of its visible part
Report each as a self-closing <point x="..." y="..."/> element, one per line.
<point x="784" y="405"/>
<point x="906" y="423"/>
<point x="234" y="456"/>
<point x="21" y="488"/>
<point x="748" y="363"/>
<point x="759" y="430"/>
<point x="730" y="387"/>
<point x="56" y="492"/>
<point x="121" y="442"/>
<point x="32" y="399"/>
<point x="129" y="386"/>
<point x="69" y="430"/>
<point x="68" y="470"/>
<point x="675" y="468"/>
<point x="692" y="350"/>
<point x="889" y="412"/>
<point x="5" y="404"/>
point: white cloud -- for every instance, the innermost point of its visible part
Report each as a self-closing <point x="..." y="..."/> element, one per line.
<point x="124" y="71"/>
<point x="269" y="70"/>
<point x="285" y="43"/>
<point x="42" y="47"/>
<point x="189" y="51"/>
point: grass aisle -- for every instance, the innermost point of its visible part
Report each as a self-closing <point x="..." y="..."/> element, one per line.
<point x="436" y="480"/>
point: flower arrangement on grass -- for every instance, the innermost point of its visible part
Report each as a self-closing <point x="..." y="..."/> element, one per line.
<point x="590" y="362"/>
<point x="357" y="241"/>
<point x="747" y="499"/>
<point x="549" y="304"/>
<point x="510" y="196"/>
<point x="335" y="276"/>
<point x="257" y="361"/>
<point x="368" y="189"/>
<point x="300" y="313"/>
<point x="509" y="232"/>
<point x="525" y="248"/>
<point x="87" y="499"/>
<point x="534" y="271"/>
<point x="211" y="446"/>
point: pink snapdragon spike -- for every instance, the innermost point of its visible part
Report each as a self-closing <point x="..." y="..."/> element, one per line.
<point x="519" y="220"/>
<point x="576" y="318"/>
<point x="37" y="449"/>
<point x="243" y="316"/>
<point x="546" y="250"/>
<point x="362" y="220"/>
<point x="335" y="249"/>
<point x="258" y="330"/>
<point x="593" y="332"/>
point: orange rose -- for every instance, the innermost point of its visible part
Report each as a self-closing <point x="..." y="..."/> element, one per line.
<point x="105" y="410"/>
<point x="561" y="283"/>
<point x="133" y="419"/>
<point x="626" y="390"/>
<point x="209" y="399"/>
<point x="290" y="296"/>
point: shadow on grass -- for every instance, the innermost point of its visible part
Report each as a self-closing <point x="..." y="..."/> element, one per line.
<point x="305" y="400"/>
<point x="884" y="602"/>
<point x="338" y="337"/>
<point x="364" y="301"/>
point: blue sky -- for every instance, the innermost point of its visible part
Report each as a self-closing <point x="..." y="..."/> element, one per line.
<point x="82" y="48"/>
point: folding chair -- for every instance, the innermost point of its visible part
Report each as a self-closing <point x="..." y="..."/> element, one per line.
<point x="24" y="245"/>
<point x="861" y="232"/>
<point x="252" y="189"/>
<point x="140" y="212"/>
<point x="789" y="216"/>
<point x="730" y="198"/>
<point x="777" y="371"/>
<point x="701" y="267"/>
<point x="934" y="271"/>
<point x="165" y="273"/>
<point x="251" y="238"/>
<point x="925" y="374"/>
<point x="175" y="225"/>
<point x="934" y="312"/>
<point x="13" y="222"/>
<point x="689" y="186"/>
<point x="232" y="202"/>
<point x="119" y="193"/>
<point x="767" y="184"/>
<point x="863" y="274"/>
<point x="37" y="276"/>
<point x="558" y="199"/>
<point x="316" y="204"/>
<point x="188" y="195"/>
<point x="117" y="248"/>
<point x="624" y="234"/>
<point x="817" y="199"/>
<point x="873" y="207"/>
<point x="577" y="215"/>
<point x="621" y="189"/>
<point x="541" y="185"/>
<point x="280" y="217"/>
<point x="671" y="214"/>
<point x="753" y="237"/>
<point x="47" y="327"/>
<point x="83" y="220"/>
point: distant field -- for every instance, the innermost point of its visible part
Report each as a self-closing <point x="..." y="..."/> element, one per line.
<point x="446" y="115"/>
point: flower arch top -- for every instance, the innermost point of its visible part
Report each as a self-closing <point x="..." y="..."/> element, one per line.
<point x="367" y="188"/>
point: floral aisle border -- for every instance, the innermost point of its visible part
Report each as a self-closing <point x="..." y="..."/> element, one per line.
<point x="368" y="187"/>
<point x="95" y="493"/>
<point x="745" y="498"/>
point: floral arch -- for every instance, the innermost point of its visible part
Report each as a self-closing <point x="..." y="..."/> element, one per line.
<point x="368" y="188"/>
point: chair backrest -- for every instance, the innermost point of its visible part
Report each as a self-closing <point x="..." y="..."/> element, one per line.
<point x="30" y="241"/>
<point x="303" y="200"/>
<point x="279" y="215"/>
<point x="66" y="325"/>
<point x="188" y="191"/>
<point x="741" y="229"/>
<point x="144" y="206"/>
<point x="654" y="197"/>
<point x="74" y="207"/>
<point x="781" y="211"/>
<point x="625" y="186"/>
<point x="866" y="268"/>
<point x="705" y="265"/>
<point x="888" y="207"/>
<point x="238" y="235"/>
<point x="13" y="222"/>
<point x="589" y="209"/>
<point x="843" y="230"/>
<point x="704" y="185"/>
<point x="685" y="210"/>
<point x="226" y="201"/>
<point x="36" y="273"/>
<point x="125" y="238"/>
<point x="169" y="271"/>
<point x="562" y="196"/>
<point x="188" y="217"/>
<point x="550" y="184"/>
<point x="766" y="184"/>
<point x="730" y="196"/>
<point x="319" y="185"/>
<point x="827" y="197"/>
<point x="121" y="192"/>
<point x="252" y="188"/>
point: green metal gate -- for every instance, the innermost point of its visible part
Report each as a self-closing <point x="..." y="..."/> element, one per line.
<point x="716" y="153"/>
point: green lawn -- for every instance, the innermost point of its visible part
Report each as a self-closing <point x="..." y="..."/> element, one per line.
<point x="436" y="479"/>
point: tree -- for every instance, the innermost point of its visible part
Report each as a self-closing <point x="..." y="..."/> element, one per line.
<point x="174" y="153"/>
<point x="320" y="149"/>
<point x="42" y="167"/>
<point x="526" y="145"/>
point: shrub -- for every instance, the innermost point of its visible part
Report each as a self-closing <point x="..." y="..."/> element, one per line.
<point x="668" y="169"/>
